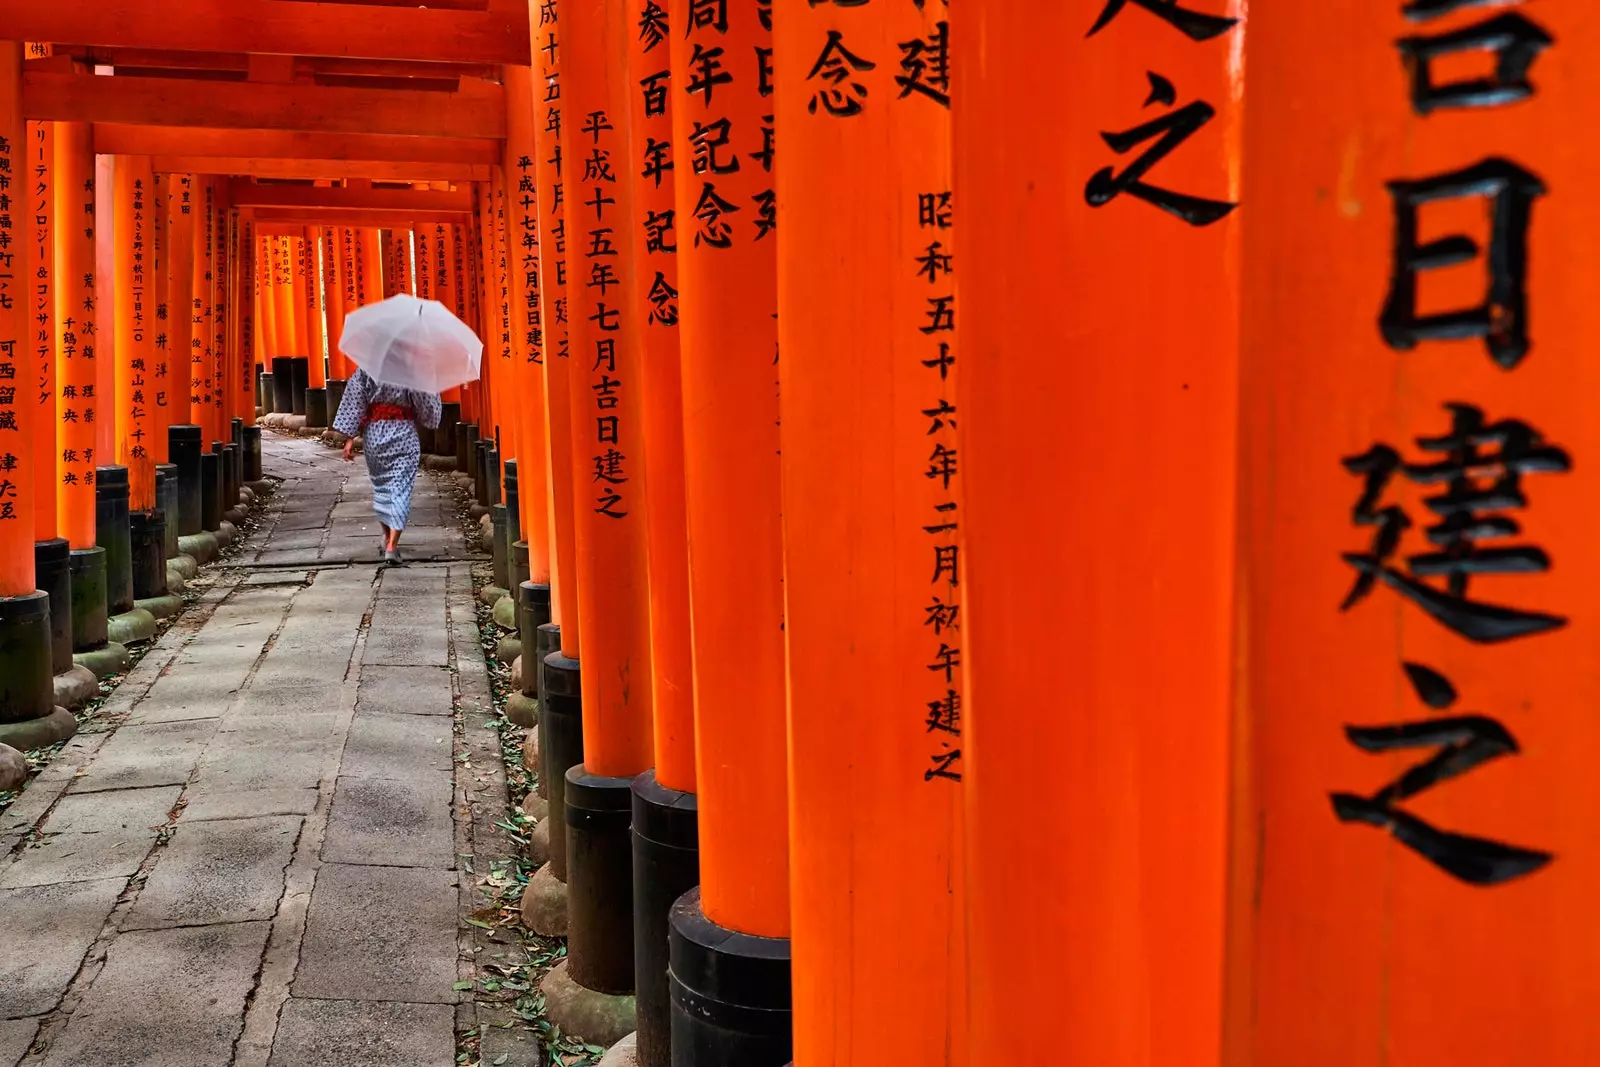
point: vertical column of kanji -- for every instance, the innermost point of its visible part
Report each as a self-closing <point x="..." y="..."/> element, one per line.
<point x="333" y="307"/>
<point x="180" y="295"/>
<point x="443" y="287"/>
<point x="510" y="346"/>
<point x="1420" y="587"/>
<point x="727" y="268"/>
<point x="148" y="527"/>
<point x="161" y="368"/>
<point x="1088" y="769"/>
<point x="533" y="475"/>
<point x="222" y="328"/>
<point x="873" y="507"/>
<point x="105" y="309"/>
<point x="77" y="389"/>
<point x="290" y="326"/>
<point x="130" y="485"/>
<point x="666" y="855"/>
<point x="611" y="521"/>
<point x="317" y="413"/>
<point x="202" y="350"/>
<point x="249" y="329"/>
<point x="26" y="691"/>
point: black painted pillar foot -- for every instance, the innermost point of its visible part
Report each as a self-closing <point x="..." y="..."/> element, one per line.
<point x="561" y="746"/>
<point x="230" y="476"/>
<point x="546" y="640"/>
<point x="502" y="560"/>
<point x="282" y="384"/>
<point x="300" y="379"/>
<point x="317" y="408"/>
<point x="599" y="811"/>
<point x="511" y="496"/>
<point x="211" y="491"/>
<point x="467" y="446"/>
<point x="52" y="570"/>
<point x="263" y="391"/>
<point x="27" y="685"/>
<point x="148" y="537"/>
<point x="666" y="865"/>
<point x="730" y="993"/>
<point x="112" y="534"/>
<point x="252" y="453"/>
<point x="482" y="478"/>
<point x="88" y="609"/>
<point x="167" y="493"/>
<point x="533" y="612"/>
<point x="183" y="445"/>
<point x="335" y="397"/>
<point x="519" y="571"/>
<point x="491" y="459"/>
<point x="444" y="438"/>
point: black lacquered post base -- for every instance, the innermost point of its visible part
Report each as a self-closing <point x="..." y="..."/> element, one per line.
<point x="148" y="537"/>
<point x="52" y="575"/>
<point x="599" y="811"/>
<point x="444" y="438"/>
<point x="230" y="477"/>
<point x="211" y="491"/>
<point x="666" y="865"/>
<point x="264" y="394"/>
<point x="112" y="534"/>
<point x="466" y="447"/>
<point x="88" y="610"/>
<point x="502" y="558"/>
<point x="335" y="397"/>
<point x="491" y="460"/>
<point x="519" y="570"/>
<point x="282" y="385"/>
<point x="183" y="445"/>
<point x="730" y="993"/>
<point x="481" y="476"/>
<point x="546" y="640"/>
<point x="27" y="686"/>
<point x="561" y="745"/>
<point x="252" y="453"/>
<point x="167" y="501"/>
<point x="300" y="381"/>
<point x="317" y="408"/>
<point x="533" y="611"/>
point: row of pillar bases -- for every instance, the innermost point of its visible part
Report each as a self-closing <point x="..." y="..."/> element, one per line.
<point x="286" y="389"/>
<point x="56" y="643"/>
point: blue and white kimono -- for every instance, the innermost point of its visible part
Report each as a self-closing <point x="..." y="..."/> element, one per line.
<point x="393" y="450"/>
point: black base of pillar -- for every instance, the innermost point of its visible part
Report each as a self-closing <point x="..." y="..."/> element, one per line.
<point x="335" y="397"/>
<point x="467" y="449"/>
<point x="52" y="570"/>
<point x="317" y="408"/>
<point x="730" y="993"/>
<point x="533" y="612"/>
<point x="111" y="533"/>
<point x="502" y="558"/>
<point x="231" y="479"/>
<point x="444" y="438"/>
<point x="27" y="689"/>
<point x="88" y="609"/>
<point x="546" y="640"/>
<point x="599" y="811"/>
<point x="183" y="445"/>
<point x="519" y="561"/>
<point x="167" y="493"/>
<point x="252" y="453"/>
<point x="666" y="865"/>
<point x="561" y="745"/>
<point x="211" y="491"/>
<point x="510" y="496"/>
<point x="480" y="471"/>
<point x="282" y="384"/>
<point x="148" y="533"/>
<point x="300" y="380"/>
<point x="264" y="391"/>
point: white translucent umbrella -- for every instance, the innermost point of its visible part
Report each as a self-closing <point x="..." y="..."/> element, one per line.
<point x="412" y="344"/>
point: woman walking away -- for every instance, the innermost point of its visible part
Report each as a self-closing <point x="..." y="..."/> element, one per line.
<point x="386" y="418"/>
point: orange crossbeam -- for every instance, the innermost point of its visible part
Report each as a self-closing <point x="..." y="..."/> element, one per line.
<point x="246" y="193"/>
<point x="325" y="169"/>
<point x="115" y="138"/>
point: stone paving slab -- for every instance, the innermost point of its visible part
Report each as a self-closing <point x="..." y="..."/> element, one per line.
<point x="250" y="803"/>
<point x="217" y="872"/>
<point x="264" y="763"/>
<point x="394" y="822"/>
<point x="390" y="745"/>
<point x="349" y="1033"/>
<point x="167" y="998"/>
<point x="15" y="1038"/>
<point x="118" y="810"/>
<point x="412" y="643"/>
<point x="380" y="934"/>
<point x="78" y="857"/>
<point x="192" y="693"/>
<point x="405" y="690"/>
<point x="141" y="756"/>
<point x="47" y="931"/>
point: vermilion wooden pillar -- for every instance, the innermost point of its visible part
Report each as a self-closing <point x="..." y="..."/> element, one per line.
<point x="163" y="415"/>
<point x="105" y="318"/>
<point x="180" y="293"/>
<point x="1414" y="843"/>
<point x="316" y="315"/>
<point x="873" y="506"/>
<point x="136" y="328"/>
<point x="509" y="344"/>
<point x="1096" y="148"/>
<point x="203" y="364"/>
<point x="77" y="396"/>
<point x="18" y="407"/>
<point x="36" y="203"/>
<point x="247" y="330"/>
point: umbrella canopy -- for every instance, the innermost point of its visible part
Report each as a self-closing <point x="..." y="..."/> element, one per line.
<point x="412" y="344"/>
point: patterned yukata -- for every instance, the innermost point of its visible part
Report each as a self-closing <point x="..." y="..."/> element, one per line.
<point x="392" y="447"/>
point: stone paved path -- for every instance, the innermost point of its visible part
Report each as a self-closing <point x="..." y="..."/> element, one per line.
<point x="258" y="865"/>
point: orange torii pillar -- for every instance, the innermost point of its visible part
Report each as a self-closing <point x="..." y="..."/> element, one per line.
<point x="441" y="280"/>
<point x="169" y="408"/>
<point x="317" y="410"/>
<point x="873" y="570"/>
<point x="266" y="324"/>
<point x="229" y="423"/>
<point x="607" y="405"/>
<point x="248" y="334"/>
<point x="32" y="196"/>
<point x="526" y="474"/>
<point x="665" y="825"/>
<point x="130" y="485"/>
<point x="1098" y="300"/>
<point x="336" y="306"/>
<point x="300" y="308"/>
<point x="1415" y="827"/>
<point x="504" y="384"/>
<point x="27" y="694"/>
<point x="204" y="358"/>
<point x="77" y="389"/>
<point x="289" y="327"/>
<point x="737" y="922"/>
<point x="422" y="242"/>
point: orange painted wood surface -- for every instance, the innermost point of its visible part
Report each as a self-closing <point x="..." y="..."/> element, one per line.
<point x="289" y="146"/>
<point x="134" y="298"/>
<point x="180" y="292"/>
<point x="77" y="343"/>
<point x="38" y="207"/>
<point x="266" y="298"/>
<point x="244" y="332"/>
<point x="161" y="377"/>
<point x="316" y="314"/>
<point x="105" y="318"/>
<point x="607" y="394"/>
<point x="728" y="278"/>
<point x="247" y="193"/>
<point x="18" y="408"/>
<point x="874" y="514"/>
<point x="1098" y="351"/>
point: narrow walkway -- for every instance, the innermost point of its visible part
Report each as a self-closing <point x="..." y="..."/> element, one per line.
<point x="256" y="862"/>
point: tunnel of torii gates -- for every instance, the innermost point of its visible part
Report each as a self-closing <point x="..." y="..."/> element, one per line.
<point x="1179" y="657"/>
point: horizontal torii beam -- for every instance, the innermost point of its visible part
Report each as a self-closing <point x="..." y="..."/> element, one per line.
<point x="291" y="217"/>
<point x="476" y="110"/>
<point x="284" y="27"/>
<point x="324" y="169"/>
<point x="244" y="193"/>
<point x="112" y="138"/>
